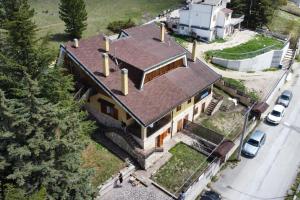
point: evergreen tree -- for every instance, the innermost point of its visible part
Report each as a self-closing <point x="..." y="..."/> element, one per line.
<point x="41" y="145"/>
<point x="21" y="45"/>
<point x="258" y="13"/>
<point x="12" y="193"/>
<point x="42" y="129"/>
<point x="74" y="14"/>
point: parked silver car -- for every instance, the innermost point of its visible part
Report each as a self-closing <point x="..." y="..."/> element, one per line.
<point x="285" y="98"/>
<point x="253" y="144"/>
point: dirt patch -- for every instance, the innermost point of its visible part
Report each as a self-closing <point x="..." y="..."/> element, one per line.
<point x="227" y="121"/>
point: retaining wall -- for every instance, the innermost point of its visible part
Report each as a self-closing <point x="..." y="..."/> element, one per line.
<point x="258" y="63"/>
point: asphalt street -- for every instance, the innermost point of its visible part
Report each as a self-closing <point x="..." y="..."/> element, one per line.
<point x="271" y="173"/>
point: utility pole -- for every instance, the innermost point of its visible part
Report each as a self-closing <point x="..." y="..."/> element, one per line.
<point x="244" y="131"/>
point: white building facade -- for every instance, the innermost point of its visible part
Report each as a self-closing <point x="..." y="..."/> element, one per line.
<point x="204" y="19"/>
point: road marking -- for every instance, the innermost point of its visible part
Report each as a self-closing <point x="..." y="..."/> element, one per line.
<point x="286" y="124"/>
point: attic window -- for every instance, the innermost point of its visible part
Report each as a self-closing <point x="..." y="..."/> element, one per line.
<point x="178" y="108"/>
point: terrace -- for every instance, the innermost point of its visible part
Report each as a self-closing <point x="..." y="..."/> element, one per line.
<point x="256" y="46"/>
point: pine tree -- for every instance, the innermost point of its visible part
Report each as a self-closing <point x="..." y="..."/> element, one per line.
<point x="21" y="45"/>
<point x="74" y="14"/>
<point x="41" y="145"/>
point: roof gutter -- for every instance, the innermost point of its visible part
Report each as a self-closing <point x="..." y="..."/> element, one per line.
<point x="85" y="69"/>
<point x="165" y="113"/>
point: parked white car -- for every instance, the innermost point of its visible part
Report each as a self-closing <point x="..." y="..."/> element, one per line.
<point x="276" y="115"/>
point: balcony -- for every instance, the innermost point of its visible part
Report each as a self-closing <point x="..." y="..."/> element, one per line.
<point x="158" y="125"/>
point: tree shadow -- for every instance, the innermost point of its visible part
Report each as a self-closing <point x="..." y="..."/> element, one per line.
<point x="59" y="37"/>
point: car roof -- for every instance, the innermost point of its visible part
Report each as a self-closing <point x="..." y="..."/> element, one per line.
<point x="278" y="108"/>
<point x="287" y="93"/>
<point x="257" y="135"/>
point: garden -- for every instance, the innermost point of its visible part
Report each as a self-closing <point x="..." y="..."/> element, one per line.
<point x="256" y="46"/>
<point x="227" y="121"/>
<point x="184" y="163"/>
<point x="103" y="162"/>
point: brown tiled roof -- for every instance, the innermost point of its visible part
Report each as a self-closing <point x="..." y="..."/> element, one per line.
<point x="158" y="96"/>
<point x="142" y="51"/>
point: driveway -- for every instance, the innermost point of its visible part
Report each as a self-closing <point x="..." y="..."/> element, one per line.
<point x="270" y="174"/>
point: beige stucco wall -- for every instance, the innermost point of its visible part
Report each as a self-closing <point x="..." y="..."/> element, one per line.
<point x="95" y="104"/>
<point x="187" y="109"/>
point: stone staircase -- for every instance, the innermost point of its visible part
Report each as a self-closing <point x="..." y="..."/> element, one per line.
<point x="288" y="59"/>
<point x="215" y="102"/>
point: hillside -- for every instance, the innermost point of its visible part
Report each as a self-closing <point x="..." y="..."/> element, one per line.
<point x="100" y="13"/>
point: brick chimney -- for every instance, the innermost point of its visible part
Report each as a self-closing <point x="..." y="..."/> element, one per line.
<point x="76" y="43"/>
<point x="124" y="81"/>
<point x="194" y="51"/>
<point x="105" y="65"/>
<point x="162" y="32"/>
<point x="106" y="44"/>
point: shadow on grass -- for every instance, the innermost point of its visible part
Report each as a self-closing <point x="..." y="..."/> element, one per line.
<point x="59" y="37"/>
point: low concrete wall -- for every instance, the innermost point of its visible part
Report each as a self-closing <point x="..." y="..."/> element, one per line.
<point x="258" y="63"/>
<point x="111" y="183"/>
<point x="196" y="188"/>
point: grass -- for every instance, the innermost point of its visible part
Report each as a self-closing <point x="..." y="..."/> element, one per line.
<point x="100" y="14"/>
<point x="239" y="85"/>
<point x="219" y="40"/>
<point x="294" y="187"/>
<point x="104" y="163"/>
<point x="182" y="39"/>
<point x="286" y="23"/>
<point x="271" y="69"/>
<point x="185" y="161"/>
<point x="228" y="124"/>
<point x="254" y="47"/>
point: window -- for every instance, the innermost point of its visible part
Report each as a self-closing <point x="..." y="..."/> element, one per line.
<point x="178" y="108"/>
<point x="128" y="116"/>
<point x="108" y="108"/>
<point x="189" y="101"/>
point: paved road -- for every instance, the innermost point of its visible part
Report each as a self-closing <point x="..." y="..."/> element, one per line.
<point x="271" y="173"/>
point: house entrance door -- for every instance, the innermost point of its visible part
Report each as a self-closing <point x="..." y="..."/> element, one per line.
<point x="203" y="108"/>
<point x="180" y="125"/>
<point x="160" y="139"/>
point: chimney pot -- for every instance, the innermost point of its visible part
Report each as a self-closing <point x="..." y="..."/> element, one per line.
<point x="105" y="65"/>
<point x="124" y="81"/>
<point x="194" y="51"/>
<point x="106" y="43"/>
<point x="76" y="43"/>
<point x="162" y="32"/>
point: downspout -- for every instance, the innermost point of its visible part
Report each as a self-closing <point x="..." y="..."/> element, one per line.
<point x="172" y="124"/>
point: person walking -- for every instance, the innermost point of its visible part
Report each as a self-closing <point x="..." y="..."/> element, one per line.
<point x="120" y="178"/>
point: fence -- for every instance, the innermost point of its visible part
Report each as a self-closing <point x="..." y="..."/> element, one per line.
<point x="204" y="133"/>
<point x="231" y="90"/>
<point x="273" y="34"/>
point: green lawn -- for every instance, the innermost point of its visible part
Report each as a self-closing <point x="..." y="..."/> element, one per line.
<point x="185" y="161"/>
<point x="100" y="13"/>
<point x="104" y="163"/>
<point x="249" y="49"/>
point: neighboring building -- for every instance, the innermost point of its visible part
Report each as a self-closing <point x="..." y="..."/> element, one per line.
<point x="144" y="83"/>
<point x="204" y="19"/>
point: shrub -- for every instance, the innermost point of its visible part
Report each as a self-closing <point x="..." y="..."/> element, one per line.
<point x="117" y="26"/>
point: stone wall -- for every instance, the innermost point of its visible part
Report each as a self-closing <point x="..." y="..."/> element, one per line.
<point x="258" y="63"/>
